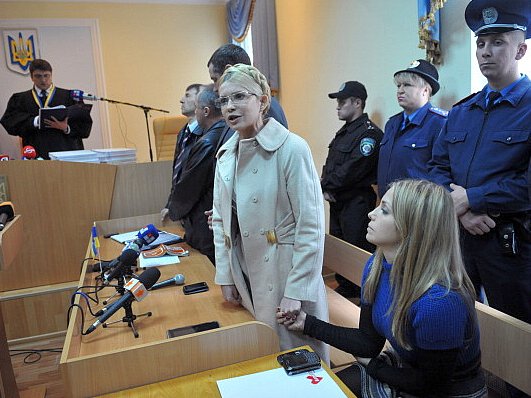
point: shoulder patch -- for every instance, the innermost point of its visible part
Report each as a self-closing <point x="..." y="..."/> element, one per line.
<point x="465" y="99"/>
<point x="439" y="111"/>
<point x="367" y="146"/>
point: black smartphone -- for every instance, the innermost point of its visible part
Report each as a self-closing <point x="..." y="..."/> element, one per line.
<point x="299" y="361"/>
<point x="195" y="288"/>
<point x="200" y="327"/>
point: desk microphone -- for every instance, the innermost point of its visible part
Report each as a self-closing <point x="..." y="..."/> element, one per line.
<point x="7" y="213"/>
<point x="116" y="267"/>
<point x="176" y="280"/>
<point x="145" y="236"/>
<point x="79" y="95"/>
<point x="136" y="290"/>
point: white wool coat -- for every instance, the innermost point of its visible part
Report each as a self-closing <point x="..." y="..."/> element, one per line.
<point x="278" y="237"/>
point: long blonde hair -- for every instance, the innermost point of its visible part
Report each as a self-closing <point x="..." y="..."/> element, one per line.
<point x="428" y="252"/>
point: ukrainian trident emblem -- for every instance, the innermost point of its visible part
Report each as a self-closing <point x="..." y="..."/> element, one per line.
<point x="21" y="47"/>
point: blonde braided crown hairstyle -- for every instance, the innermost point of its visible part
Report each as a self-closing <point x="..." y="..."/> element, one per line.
<point x="250" y="78"/>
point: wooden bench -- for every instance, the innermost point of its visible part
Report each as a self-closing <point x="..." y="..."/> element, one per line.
<point x="505" y="341"/>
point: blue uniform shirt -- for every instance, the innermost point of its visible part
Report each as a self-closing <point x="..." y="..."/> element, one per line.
<point x="488" y="153"/>
<point x="406" y="153"/>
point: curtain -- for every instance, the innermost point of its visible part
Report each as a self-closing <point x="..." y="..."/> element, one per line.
<point x="265" y="42"/>
<point x="239" y="18"/>
<point x="429" y="29"/>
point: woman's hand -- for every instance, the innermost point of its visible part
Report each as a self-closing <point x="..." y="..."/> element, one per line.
<point x="290" y="307"/>
<point x="292" y="323"/>
<point x="231" y="295"/>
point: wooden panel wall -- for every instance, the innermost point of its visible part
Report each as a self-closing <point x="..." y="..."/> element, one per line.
<point x="59" y="201"/>
<point x="141" y="188"/>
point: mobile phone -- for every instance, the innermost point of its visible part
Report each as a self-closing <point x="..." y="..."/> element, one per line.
<point x="299" y="361"/>
<point x="195" y="288"/>
<point x="200" y="327"/>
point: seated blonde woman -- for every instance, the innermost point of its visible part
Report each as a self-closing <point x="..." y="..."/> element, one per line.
<point x="415" y="294"/>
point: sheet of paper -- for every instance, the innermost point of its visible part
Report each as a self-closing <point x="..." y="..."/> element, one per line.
<point x="157" y="261"/>
<point x="276" y="383"/>
<point x="164" y="237"/>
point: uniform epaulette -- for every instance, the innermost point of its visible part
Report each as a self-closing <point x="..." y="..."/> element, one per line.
<point x="465" y="99"/>
<point x="439" y="111"/>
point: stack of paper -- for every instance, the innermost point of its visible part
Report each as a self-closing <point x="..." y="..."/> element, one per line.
<point x="112" y="155"/>
<point x="116" y="155"/>
<point x="86" y="156"/>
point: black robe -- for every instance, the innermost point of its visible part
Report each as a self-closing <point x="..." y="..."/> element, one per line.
<point x="21" y="111"/>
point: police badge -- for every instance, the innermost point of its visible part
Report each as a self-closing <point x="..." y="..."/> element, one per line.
<point x="367" y="146"/>
<point x="490" y="15"/>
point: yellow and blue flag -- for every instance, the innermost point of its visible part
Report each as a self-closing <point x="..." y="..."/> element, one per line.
<point x="95" y="242"/>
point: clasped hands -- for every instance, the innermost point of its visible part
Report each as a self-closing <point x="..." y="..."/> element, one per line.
<point x="289" y="314"/>
<point x="475" y="224"/>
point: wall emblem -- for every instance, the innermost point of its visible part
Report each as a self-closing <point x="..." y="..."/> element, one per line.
<point x="21" y="47"/>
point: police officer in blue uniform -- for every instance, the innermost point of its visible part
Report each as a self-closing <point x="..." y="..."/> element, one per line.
<point x="483" y="154"/>
<point x="349" y="172"/>
<point x="409" y="135"/>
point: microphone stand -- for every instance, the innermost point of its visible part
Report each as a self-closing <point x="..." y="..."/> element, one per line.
<point x="146" y="110"/>
<point x="129" y="317"/>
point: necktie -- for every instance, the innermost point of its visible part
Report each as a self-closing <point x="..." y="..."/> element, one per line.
<point x="493" y="96"/>
<point x="180" y="157"/>
<point x="407" y="122"/>
<point x="43" y="97"/>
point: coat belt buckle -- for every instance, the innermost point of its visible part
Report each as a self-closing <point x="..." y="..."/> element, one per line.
<point x="271" y="236"/>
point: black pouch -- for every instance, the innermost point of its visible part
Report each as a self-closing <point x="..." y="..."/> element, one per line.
<point x="507" y="238"/>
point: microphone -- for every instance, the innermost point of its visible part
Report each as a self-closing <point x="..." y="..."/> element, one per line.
<point x="126" y="259"/>
<point x="28" y="153"/>
<point x="130" y="253"/>
<point x="7" y="213"/>
<point x="176" y="280"/>
<point x="4" y="157"/>
<point x="145" y="236"/>
<point x="79" y="95"/>
<point x="136" y="290"/>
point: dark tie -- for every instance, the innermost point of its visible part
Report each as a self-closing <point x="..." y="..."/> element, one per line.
<point x="43" y="97"/>
<point x="407" y="122"/>
<point x="180" y="157"/>
<point x="493" y="96"/>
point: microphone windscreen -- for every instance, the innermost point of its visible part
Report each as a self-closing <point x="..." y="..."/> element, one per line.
<point x="29" y="152"/>
<point x="179" y="279"/>
<point x="148" y="234"/>
<point x="7" y="208"/>
<point x="149" y="277"/>
<point x="128" y="257"/>
<point x="76" y="94"/>
<point x="4" y="157"/>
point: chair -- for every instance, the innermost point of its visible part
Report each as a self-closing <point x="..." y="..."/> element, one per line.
<point x="165" y="130"/>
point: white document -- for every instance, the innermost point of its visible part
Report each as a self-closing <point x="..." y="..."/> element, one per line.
<point x="164" y="237"/>
<point x="276" y="383"/>
<point x="157" y="261"/>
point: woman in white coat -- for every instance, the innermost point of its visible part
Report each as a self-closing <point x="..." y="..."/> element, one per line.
<point x="268" y="215"/>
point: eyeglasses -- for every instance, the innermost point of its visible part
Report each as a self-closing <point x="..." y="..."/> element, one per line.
<point x="236" y="98"/>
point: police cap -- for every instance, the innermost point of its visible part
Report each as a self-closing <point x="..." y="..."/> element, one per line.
<point x="425" y="70"/>
<point x="498" y="16"/>
<point x="350" y="89"/>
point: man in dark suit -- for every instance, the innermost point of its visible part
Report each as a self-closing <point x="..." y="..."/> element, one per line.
<point x="195" y="188"/>
<point x="186" y="138"/>
<point x="21" y="117"/>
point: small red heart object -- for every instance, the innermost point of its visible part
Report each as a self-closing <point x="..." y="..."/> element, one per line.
<point x="314" y="379"/>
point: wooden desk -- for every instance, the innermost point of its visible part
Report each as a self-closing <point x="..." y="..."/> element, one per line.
<point x="112" y="359"/>
<point x="203" y="384"/>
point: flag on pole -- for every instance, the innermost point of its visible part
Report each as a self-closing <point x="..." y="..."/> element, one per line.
<point x="95" y="242"/>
